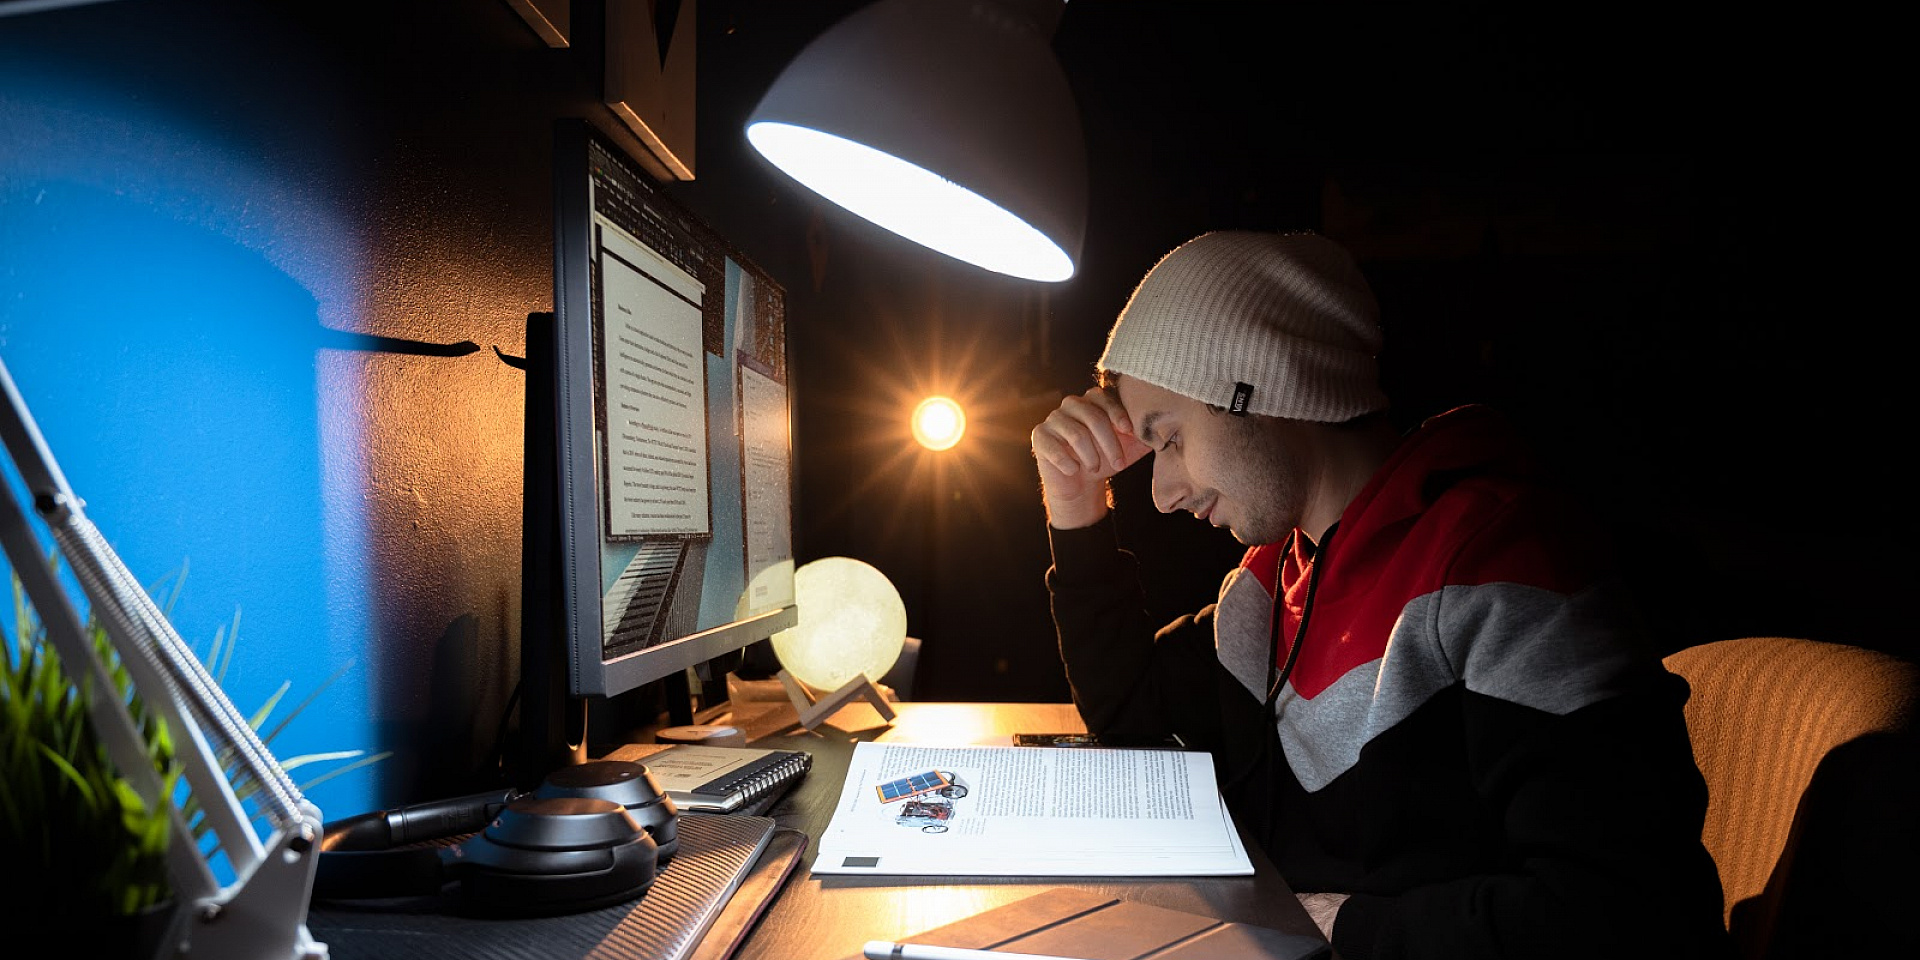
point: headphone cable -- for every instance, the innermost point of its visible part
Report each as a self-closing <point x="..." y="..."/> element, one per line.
<point x="1276" y="682"/>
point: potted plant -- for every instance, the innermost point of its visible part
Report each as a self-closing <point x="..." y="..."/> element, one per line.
<point x="94" y="850"/>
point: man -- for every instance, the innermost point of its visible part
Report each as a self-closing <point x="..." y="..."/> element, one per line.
<point x="1446" y="731"/>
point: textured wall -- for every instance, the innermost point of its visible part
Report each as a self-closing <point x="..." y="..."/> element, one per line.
<point x="239" y="252"/>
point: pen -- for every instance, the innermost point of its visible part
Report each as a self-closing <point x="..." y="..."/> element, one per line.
<point x="887" y="950"/>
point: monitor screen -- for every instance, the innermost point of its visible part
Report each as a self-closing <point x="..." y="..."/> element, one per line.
<point x="671" y="431"/>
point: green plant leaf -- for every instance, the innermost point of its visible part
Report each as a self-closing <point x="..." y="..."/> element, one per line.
<point x="80" y="781"/>
<point x="317" y="691"/>
<point x="294" y="763"/>
<point x="233" y="644"/>
<point x="266" y="709"/>
<point x="367" y="761"/>
<point x="179" y="578"/>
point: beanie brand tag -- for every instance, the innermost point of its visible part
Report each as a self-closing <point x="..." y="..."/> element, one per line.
<point x="1242" y="393"/>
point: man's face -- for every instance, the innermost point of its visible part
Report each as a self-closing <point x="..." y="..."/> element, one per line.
<point x="1248" y="474"/>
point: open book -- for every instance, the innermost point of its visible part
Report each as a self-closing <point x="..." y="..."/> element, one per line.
<point x="1030" y="811"/>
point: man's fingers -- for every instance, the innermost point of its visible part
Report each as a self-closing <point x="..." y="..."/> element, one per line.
<point x="1082" y="442"/>
<point x="1105" y="399"/>
<point x="1088" y="435"/>
<point x="1068" y="444"/>
<point x="1097" y="422"/>
<point x="1122" y="447"/>
<point x="1053" y="452"/>
<point x="1132" y="449"/>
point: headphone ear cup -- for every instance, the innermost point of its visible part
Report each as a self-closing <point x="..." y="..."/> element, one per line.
<point x="592" y="835"/>
<point x="550" y="855"/>
<point x="626" y="783"/>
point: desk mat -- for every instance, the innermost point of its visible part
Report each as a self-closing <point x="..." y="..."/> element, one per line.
<point x="756" y="893"/>
<point x="1071" y="922"/>
<point x="716" y="853"/>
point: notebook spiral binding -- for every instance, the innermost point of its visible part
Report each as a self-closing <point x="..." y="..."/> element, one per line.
<point x="758" y="783"/>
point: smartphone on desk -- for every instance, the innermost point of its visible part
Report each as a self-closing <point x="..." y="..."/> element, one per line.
<point x="1169" y="742"/>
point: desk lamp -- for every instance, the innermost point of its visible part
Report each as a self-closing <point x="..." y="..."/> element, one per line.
<point x="851" y="629"/>
<point x="948" y="122"/>
<point x="262" y="914"/>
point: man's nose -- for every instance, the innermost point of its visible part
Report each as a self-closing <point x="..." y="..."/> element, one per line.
<point x="1169" y="485"/>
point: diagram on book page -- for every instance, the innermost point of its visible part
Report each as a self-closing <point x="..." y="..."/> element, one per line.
<point x="929" y="801"/>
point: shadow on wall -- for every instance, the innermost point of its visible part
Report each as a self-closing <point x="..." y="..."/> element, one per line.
<point x="174" y="375"/>
<point x="193" y="253"/>
<point x="213" y="427"/>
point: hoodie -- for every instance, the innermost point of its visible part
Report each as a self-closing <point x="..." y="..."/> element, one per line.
<point x="1475" y="740"/>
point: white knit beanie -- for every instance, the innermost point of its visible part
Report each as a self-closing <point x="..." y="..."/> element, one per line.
<point x="1284" y="319"/>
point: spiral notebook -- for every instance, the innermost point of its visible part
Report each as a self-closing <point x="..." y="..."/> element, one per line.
<point x="705" y="779"/>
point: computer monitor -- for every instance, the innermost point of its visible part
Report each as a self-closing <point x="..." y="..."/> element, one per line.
<point x="659" y="487"/>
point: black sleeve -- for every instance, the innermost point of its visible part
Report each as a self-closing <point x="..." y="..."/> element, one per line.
<point x="1130" y="683"/>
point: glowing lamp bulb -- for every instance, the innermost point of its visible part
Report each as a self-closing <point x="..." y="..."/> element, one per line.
<point x="938" y="423"/>
<point x="852" y="623"/>
<point x="912" y="201"/>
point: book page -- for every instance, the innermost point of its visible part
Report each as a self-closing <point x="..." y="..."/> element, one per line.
<point x="1030" y="811"/>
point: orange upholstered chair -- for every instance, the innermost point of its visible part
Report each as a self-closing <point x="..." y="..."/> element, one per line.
<point x="1813" y="784"/>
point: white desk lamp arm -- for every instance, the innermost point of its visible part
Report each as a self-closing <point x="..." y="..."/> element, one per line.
<point x="263" y="913"/>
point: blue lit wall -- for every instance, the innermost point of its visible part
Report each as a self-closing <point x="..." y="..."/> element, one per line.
<point x="254" y="266"/>
<point x="177" y="377"/>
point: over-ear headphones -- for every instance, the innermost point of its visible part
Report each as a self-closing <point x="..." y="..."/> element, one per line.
<point x="591" y="835"/>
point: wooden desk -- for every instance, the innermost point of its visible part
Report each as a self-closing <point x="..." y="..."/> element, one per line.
<point x="830" y="918"/>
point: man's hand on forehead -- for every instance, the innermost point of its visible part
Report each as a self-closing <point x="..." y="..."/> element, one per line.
<point x="1087" y="439"/>
<point x="1105" y="441"/>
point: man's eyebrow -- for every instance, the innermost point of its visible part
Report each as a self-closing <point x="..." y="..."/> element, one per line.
<point x="1147" y="433"/>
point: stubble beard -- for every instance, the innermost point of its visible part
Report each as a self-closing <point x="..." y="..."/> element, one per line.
<point x="1270" y="491"/>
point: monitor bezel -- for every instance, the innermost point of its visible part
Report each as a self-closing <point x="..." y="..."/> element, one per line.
<point x="590" y="672"/>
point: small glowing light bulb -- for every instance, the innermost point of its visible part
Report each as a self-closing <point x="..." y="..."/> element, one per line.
<point x="938" y="423"/>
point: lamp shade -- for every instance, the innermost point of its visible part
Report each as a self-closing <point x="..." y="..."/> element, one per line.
<point x="948" y="122"/>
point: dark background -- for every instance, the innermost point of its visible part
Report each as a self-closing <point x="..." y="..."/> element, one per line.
<point x="1603" y="220"/>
